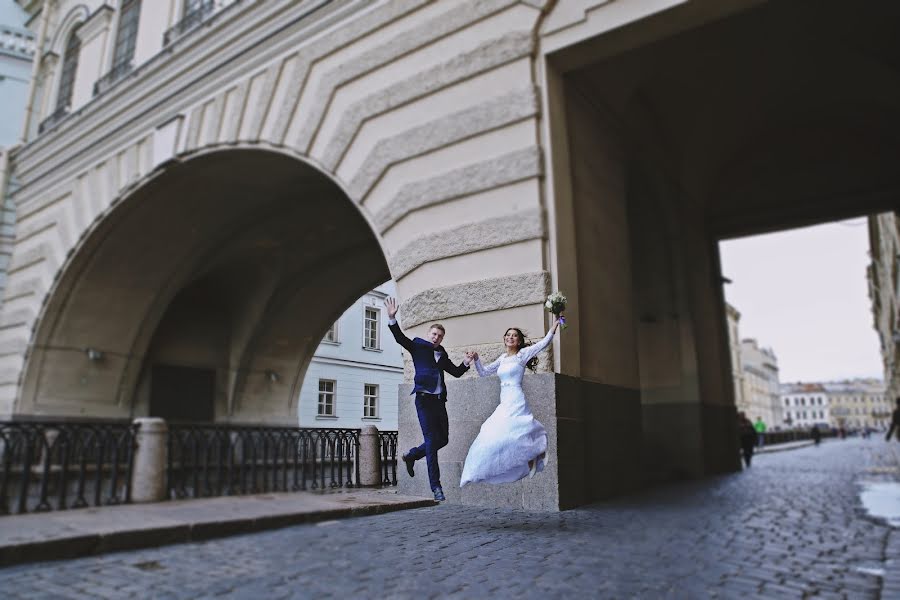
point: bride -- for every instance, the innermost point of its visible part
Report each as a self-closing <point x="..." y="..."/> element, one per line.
<point x="511" y="443"/>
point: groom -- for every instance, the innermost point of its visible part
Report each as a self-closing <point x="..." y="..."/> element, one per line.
<point x="430" y="360"/>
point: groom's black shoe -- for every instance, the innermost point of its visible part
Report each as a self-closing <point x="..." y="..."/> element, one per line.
<point x="439" y="494"/>
<point x="409" y="465"/>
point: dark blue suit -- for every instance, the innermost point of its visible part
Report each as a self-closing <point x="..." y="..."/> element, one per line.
<point x="431" y="408"/>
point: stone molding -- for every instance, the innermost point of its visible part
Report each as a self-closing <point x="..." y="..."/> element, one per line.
<point x="479" y="177"/>
<point x="486" y="295"/>
<point x="485" y="57"/>
<point x="444" y="24"/>
<point x="490" y="233"/>
<point x="497" y="112"/>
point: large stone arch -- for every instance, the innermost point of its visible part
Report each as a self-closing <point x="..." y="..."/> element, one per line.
<point x="264" y="239"/>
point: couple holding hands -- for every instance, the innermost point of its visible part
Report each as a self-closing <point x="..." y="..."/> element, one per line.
<point x="512" y="444"/>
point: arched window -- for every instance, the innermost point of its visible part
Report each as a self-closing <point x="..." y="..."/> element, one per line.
<point x="126" y="36"/>
<point x="69" y="67"/>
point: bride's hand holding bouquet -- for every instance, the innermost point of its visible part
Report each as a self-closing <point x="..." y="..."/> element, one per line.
<point x="556" y="304"/>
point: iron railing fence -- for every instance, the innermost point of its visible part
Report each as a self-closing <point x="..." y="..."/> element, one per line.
<point x="54" y="465"/>
<point x="224" y="460"/>
<point x="795" y="435"/>
<point x="388" y="441"/>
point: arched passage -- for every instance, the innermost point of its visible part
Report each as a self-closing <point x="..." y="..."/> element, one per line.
<point x="219" y="275"/>
<point x="780" y="115"/>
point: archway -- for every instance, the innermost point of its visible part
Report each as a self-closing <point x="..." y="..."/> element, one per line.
<point x="687" y="128"/>
<point x="219" y="275"/>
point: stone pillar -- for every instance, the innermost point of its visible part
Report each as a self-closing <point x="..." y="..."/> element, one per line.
<point x="369" y="457"/>
<point x="148" y="476"/>
<point x="593" y="451"/>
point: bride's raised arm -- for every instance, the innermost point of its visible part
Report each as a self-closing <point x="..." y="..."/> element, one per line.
<point x="529" y="352"/>
<point x="488" y="370"/>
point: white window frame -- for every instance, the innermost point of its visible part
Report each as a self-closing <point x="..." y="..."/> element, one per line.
<point x="335" y="334"/>
<point x="377" y="329"/>
<point x="373" y="397"/>
<point x="324" y="395"/>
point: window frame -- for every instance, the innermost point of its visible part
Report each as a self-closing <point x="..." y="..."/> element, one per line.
<point x="376" y="329"/>
<point x="335" y="331"/>
<point x="120" y="57"/>
<point x="332" y="394"/>
<point x="68" y="71"/>
<point x="374" y="397"/>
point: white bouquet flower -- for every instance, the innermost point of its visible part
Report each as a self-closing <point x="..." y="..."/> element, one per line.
<point x="556" y="304"/>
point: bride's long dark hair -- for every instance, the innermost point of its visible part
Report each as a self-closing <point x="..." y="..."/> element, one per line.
<point x="531" y="364"/>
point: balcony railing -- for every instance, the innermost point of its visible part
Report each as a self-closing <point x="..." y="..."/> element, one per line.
<point x="51" y="465"/>
<point x="115" y="74"/>
<point x="54" y="119"/>
<point x="190" y="21"/>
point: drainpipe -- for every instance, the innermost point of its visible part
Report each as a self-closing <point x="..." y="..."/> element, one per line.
<point x="35" y="68"/>
<point x="4" y="175"/>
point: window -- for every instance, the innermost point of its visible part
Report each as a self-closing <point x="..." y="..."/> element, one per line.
<point x="332" y="334"/>
<point x="326" y="398"/>
<point x="126" y="37"/>
<point x="67" y="78"/>
<point x="787" y="401"/>
<point x="370" y="401"/>
<point x="370" y="329"/>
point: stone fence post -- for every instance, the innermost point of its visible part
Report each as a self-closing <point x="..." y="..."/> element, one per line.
<point x="148" y="475"/>
<point x="369" y="456"/>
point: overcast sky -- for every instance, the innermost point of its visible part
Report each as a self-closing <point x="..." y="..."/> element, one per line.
<point x="804" y="294"/>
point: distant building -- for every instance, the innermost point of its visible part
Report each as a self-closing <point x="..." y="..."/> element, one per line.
<point x="733" y="317"/>
<point x="762" y="393"/>
<point x="353" y="377"/>
<point x="858" y="403"/>
<point x="805" y="405"/>
<point x="16" y="54"/>
<point x="884" y="292"/>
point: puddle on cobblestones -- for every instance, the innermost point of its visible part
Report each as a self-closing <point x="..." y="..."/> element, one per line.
<point x="881" y="499"/>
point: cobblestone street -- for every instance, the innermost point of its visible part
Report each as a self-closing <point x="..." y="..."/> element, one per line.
<point x="792" y="526"/>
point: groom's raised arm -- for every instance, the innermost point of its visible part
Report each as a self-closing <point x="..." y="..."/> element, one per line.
<point x="391" y="305"/>
<point x="456" y="370"/>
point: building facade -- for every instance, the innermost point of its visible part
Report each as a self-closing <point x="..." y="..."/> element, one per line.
<point x="354" y="375"/>
<point x="859" y="404"/>
<point x="194" y="171"/>
<point x="805" y="405"/>
<point x="884" y="292"/>
<point x="761" y="384"/>
<point x="733" y="318"/>
<point x="16" y="57"/>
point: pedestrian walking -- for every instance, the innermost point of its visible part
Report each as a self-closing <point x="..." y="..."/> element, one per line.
<point x="760" y="428"/>
<point x="748" y="437"/>
<point x="816" y="434"/>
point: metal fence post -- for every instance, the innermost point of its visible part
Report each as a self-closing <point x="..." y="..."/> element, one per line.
<point x="148" y="479"/>
<point x="369" y="456"/>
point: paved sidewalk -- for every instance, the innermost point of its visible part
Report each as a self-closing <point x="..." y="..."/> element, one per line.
<point x="80" y="532"/>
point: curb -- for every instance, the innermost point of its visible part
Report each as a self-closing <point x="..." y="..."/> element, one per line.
<point x="794" y="446"/>
<point x="78" y="546"/>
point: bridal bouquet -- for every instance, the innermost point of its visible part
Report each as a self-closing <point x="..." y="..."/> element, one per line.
<point x="556" y="303"/>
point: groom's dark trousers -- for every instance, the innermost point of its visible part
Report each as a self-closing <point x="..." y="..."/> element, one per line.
<point x="432" y="411"/>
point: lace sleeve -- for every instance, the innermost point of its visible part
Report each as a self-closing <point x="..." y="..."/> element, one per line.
<point x="488" y="370"/>
<point x="529" y="352"/>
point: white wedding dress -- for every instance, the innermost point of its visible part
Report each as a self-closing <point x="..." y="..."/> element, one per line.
<point x="511" y="436"/>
